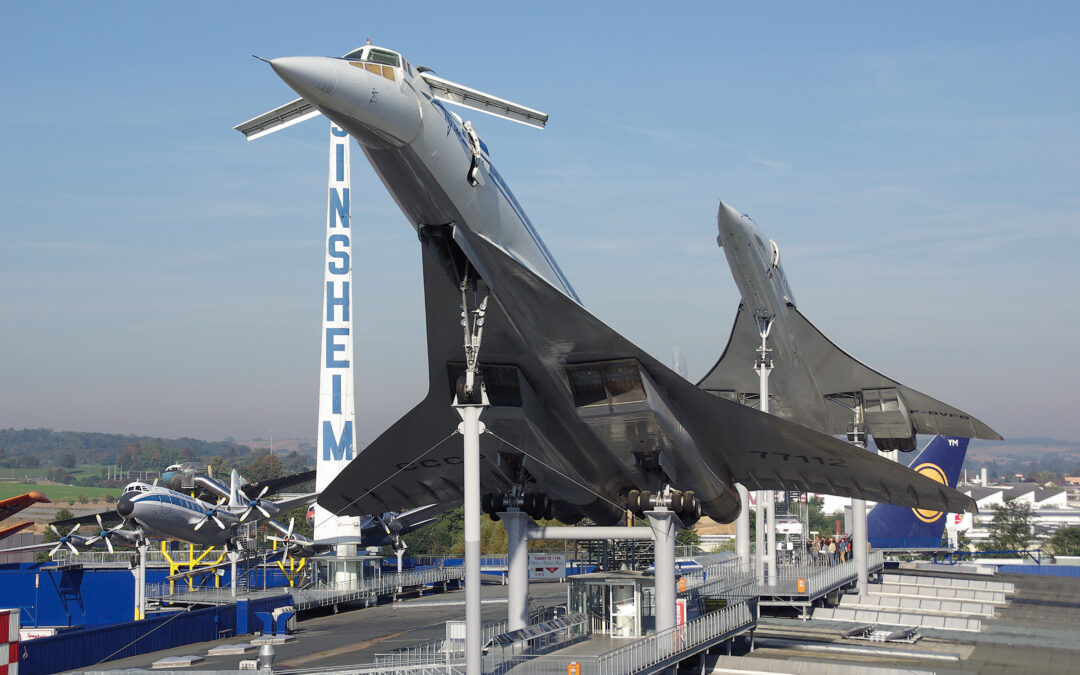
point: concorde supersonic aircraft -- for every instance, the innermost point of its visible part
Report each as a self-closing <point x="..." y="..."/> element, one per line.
<point x="813" y="382"/>
<point x="581" y="421"/>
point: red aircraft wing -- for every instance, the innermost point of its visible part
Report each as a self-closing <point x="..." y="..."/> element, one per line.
<point x="12" y="505"/>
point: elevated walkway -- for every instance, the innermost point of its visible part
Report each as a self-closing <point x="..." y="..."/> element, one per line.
<point x="368" y="591"/>
<point x="593" y="654"/>
<point x="801" y="586"/>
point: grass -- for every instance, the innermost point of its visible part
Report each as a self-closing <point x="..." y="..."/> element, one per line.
<point x="59" y="494"/>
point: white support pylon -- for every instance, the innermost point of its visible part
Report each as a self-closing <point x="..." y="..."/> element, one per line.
<point x="337" y="409"/>
<point x="767" y="498"/>
<point x="859" y="548"/>
<point x="517" y="525"/>
<point x="470" y="428"/>
<point x="742" y="528"/>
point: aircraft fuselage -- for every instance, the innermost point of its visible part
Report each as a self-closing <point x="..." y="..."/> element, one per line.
<point x="163" y="513"/>
<point x="755" y="266"/>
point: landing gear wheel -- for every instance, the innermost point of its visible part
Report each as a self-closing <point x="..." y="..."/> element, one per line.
<point x="690" y="512"/>
<point x="537" y="504"/>
<point x="644" y="501"/>
<point x="677" y="503"/>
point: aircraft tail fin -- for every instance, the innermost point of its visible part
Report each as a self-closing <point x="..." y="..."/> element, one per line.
<point x="891" y="526"/>
<point x="234" y="489"/>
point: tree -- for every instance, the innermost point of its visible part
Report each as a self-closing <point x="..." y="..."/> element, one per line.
<point x="1066" y="541"/>
<point x="62" y="514"/>
<point x="687" y="536"/>
<point x="67" y="460"/>
<point x="821" y="523"/>
<point x="1010" y="530"/>
<point x="440" y="537"/>
<point x="264" y="467"/>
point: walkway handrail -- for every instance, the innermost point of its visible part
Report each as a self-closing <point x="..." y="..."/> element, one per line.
<point x="667" y="644"/>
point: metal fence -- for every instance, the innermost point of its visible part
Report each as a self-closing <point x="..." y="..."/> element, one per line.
<point x="315" y="596"/>
<point x="666" y="645"/>
<point x="816" y="577"/>
<point x="372" y="587"/>
<point x="75" y="650"/>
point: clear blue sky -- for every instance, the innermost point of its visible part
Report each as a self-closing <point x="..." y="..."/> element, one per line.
<point x="918" y="164"/>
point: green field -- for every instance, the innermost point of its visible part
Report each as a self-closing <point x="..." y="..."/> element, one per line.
<point x="57" y="493"/>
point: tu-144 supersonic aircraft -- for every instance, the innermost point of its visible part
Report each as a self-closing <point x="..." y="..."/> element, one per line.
<point x="581" y="421"/>
<point x="814" y="382"/>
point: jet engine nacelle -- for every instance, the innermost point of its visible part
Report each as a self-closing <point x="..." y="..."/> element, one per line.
<point x="888" y="420"/>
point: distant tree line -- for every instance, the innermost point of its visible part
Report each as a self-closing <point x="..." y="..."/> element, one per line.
<point x="60" y="453"/>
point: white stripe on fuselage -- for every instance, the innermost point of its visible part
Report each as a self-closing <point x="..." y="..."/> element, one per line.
<point x="177" y="520"/>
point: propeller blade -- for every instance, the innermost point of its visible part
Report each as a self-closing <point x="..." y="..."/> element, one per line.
<point x="247" y="512"/>
<point x="55" y="530"/>
<point x="55" y="549"/>
<point x="202" y="522"/>
<point x="219" y="523"/>
<point x="263" y="511"/>
<point x="74" y="529"/>
<point x="108" y="545"/>
<point x="98" y="516"/>
<point x="262" y="492"/>
<point x="72" y="547"/>
<point x="94" y="539"/>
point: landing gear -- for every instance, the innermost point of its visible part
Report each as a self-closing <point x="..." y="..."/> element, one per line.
<point x="537" y="505"/>
<point x="685" y="504"/>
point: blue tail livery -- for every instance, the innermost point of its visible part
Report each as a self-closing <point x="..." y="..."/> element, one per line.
<point x="901" y="527"/>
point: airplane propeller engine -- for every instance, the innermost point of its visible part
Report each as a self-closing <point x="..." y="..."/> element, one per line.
<point x="65" y="539"/>
<point x="103" y="533"/>
<point x="212" y="515"/>
<point x="288" y="539"/>
<point x="256" y="503"/>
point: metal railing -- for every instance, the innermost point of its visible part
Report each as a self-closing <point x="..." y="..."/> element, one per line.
<point x="817" y="577"/>
<point x="314" y="596"/>
<point x="666" y="645"/>
<point x="448" y="655"/>
<point x="119" y="558"/>
<point x="326" y="594"/>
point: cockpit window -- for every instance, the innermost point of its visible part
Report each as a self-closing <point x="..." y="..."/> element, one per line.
<point x="384" y="57"/>
<point x="375" y="55"/>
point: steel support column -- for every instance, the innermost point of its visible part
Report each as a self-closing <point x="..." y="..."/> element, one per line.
<point x="517" y="557"/>
<point x="759" y="536"/>
<point x="473" y="645"/>
<point x="858" y="545"/>
<point x="664" y="525"/>
<point x="742" y="528"/>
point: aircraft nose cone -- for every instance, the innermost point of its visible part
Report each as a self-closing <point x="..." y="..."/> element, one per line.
<point x="313" y="77"/>
<point x="374" y="106"/>
<point x="124" y="507"/>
